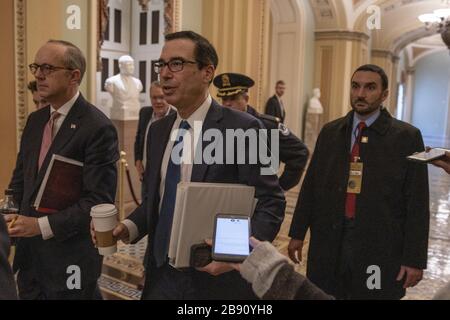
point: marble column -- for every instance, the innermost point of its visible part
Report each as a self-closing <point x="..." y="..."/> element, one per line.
<point x="409" y="94"/>
<point x="389" y="62"/>
<point x="338" y="54"/>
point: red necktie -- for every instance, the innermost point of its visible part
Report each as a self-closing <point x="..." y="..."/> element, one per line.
<point x="47" y="137"/>
<point x="350" y="200"/>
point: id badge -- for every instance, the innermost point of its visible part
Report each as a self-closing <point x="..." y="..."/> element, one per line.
<point x="355" y="178"/>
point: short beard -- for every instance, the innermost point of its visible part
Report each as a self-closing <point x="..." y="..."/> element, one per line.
<point x="365" y="111"/>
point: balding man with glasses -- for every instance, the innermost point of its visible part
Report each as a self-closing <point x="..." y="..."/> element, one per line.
<point x="51" y="246"/>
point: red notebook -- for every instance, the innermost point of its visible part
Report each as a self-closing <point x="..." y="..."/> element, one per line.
<point x="61" y="186"/>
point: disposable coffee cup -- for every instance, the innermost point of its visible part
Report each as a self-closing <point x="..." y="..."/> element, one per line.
<point x="104" y="218"/>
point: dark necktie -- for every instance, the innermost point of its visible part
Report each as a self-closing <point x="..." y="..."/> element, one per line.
<point x="164" y="226"/>
<point x="350" y="201"/>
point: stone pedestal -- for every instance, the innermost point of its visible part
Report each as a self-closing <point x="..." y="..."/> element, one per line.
<point x="312" y="129"/>
<point x="126" y="131"/>
<point x="124" y="114"/>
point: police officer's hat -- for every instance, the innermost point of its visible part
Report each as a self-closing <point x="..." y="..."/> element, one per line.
<point x="230" y="84"/>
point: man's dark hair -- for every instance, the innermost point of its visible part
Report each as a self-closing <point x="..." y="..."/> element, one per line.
<point x="280" y="82"/>
<point x="205" y="54"/>
<point x="73" y="58"/>
<point x="376" y="69"/>
<point x="32" y="86"/>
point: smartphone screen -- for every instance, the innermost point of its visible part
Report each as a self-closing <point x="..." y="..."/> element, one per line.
<point x="232" y="237"/>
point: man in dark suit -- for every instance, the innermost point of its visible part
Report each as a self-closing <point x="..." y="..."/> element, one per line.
<point x="233" y="90"/>
<point x="147" y="115"/>
<point x="274" y="105"/>
<point x="55" y="257"/>
<point x="366" y="205"/>
<point x="186" y="67"/>
<point x="7" y="283"/>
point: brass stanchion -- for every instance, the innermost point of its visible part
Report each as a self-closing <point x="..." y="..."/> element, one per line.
<point x="122" y="171"/>
<point x="12" y="253"/>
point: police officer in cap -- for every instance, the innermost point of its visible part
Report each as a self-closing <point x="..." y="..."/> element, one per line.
<point x="233" y="90"/>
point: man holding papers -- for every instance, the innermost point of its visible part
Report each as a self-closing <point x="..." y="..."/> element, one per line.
<point x="186" y="67"/>
<point x="55" y="257"/>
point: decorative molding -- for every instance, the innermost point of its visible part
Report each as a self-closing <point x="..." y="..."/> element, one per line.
<point x="262" y="33"/>
<point x="386" y="54"/>
<point x="172" y="16"/>
<point x="411" y="71"/>
<point x="395" y="59"/>
<point x="144" y="4"/>
<point x="323" y="9"/>
<point x="20" y="66"/>
<point x="117" y="290"/>
<point x="177" y="13"/>
<point x="341" y="35"/>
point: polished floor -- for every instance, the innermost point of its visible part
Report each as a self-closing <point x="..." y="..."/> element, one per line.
<point x="438" y="271"/>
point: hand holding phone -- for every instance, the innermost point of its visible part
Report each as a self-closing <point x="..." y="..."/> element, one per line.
<point x="231" y="238"/>
<point x="429" y="155"/>
<point x="200" y="255"/>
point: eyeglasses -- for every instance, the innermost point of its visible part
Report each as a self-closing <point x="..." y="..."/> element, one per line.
<point x="46" y="69"/>
<point x="175" y="65"/>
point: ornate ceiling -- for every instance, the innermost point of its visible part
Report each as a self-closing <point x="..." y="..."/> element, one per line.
<point x="399" y="23"/>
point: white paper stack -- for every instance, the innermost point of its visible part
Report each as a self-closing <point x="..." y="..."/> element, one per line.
<point x="196" y="206"/>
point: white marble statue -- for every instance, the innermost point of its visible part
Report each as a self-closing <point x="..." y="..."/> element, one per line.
<point x="313" y="119"/>
<point x="125" y="90"/>
<point x="314" y="103"/>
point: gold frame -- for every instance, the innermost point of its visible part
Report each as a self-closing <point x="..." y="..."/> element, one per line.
<point x="20" y="66"/>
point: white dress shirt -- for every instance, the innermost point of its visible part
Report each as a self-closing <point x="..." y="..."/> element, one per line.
<point x="368" y="119"/>
<point x="64" y="110"/>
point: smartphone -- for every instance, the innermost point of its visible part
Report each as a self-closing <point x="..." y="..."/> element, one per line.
<point x="231" y="238"/>
<point x="425" y="157"/>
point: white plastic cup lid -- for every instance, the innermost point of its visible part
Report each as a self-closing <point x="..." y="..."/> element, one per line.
<point x="103" y="210"/>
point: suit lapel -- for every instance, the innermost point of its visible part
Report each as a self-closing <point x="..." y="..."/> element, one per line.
<point x="70" y="125"/>
<point x="212" y="120"/>
<point x="148" y="117"/>
<point x="348" y="132"/>
<point x="382" y="123"/>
